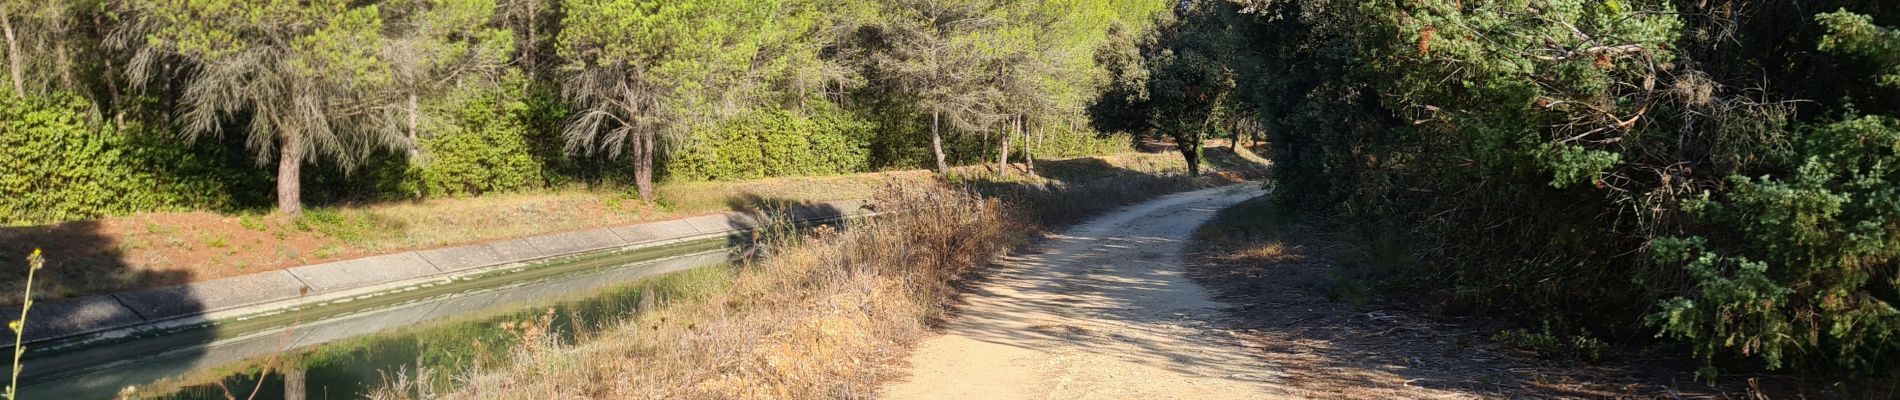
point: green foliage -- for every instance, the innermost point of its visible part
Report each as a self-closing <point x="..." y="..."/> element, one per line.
<point x="1546" y="343"/>
<point x="1625" y="167"/>
<point x="775" y="142"/>
<point x="348" y="227"/>
<point x="480" y="145"/>
<point x="263" y="56"/>
<point x="407" y="99"/>
<point x="1473" y="124"/>
<point x="663" y="38"/>
<point x="1059" y="144"/>
<point x="309" y="77"/>
<point x="61" y="168"/>
<point x="1812" y="273"/>
<point x="1857" y="34"/>
<point x="1804" y="270"/>
<point x="1572" y="164"/>
<point x="1183" y="86"/>
<point x="253" y="222"/>
<point x="645" y="73"/>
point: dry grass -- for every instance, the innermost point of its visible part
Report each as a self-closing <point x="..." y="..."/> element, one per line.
<point x="1270" y="251"/>
<point x="821" y="318"/>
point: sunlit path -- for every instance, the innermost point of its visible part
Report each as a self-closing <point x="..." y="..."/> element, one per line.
<point x="1103" y="312"/>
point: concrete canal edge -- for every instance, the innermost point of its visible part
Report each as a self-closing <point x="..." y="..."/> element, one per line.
<point x="275" y="291"/>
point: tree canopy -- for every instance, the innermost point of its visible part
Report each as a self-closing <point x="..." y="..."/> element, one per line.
<point x="305" y="75"/>
<point x="1710" y="172"/>
<point x="399" y="98"/>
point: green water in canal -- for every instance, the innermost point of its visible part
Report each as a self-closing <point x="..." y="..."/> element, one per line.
<point x="343" y="350"/>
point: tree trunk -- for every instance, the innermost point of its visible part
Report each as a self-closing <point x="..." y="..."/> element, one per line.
<point x="110" y="74"/>
<point x="294" y="386"/>
<point x="415" y="114"/>
<point x="1029" y="150"/>
<point x="65" y="63"/>
<point x="1002" y="156"/>
<point x="1190" y="146"/>
<point x="643" y="166"/>
<point x="415" y="142"/>
<point x="13" y="53"/>
<point x="289" y="175"/>
<point x="983" y="149"/>
<point x="528" y="62"/>
<point x="1192" y="152"/>
<point x="1234" y="145"/>
<point x="936" y="143"/>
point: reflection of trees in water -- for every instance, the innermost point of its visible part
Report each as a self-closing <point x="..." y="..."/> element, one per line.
<point x="349" y="367"/>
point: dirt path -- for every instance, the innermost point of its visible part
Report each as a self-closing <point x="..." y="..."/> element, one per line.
<point x="1301" y="301"/>
<point x="1114" y="309"/>
<point x="1105" y="311"/>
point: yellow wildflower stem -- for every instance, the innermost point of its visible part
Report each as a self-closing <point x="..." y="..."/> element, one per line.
<point x="34" y="263"/>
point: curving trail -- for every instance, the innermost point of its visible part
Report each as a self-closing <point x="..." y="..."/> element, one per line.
<point x="1105" y="311"/>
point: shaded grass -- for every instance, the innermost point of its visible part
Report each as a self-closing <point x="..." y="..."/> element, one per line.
<point x="1324" y="301"/>
<point x="1251" y="236"/>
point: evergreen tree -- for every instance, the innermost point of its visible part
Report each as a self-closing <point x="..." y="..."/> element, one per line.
<point x="303" y="77"/>
<point x="643" y="72"/>
<point x="935" y="54"/>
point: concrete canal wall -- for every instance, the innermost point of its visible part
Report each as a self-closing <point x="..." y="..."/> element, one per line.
<point x="273" y="291"/>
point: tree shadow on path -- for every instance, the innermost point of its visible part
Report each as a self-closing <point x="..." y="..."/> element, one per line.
<point x="1294" y="303"/>
<point x="1103" y="304"/>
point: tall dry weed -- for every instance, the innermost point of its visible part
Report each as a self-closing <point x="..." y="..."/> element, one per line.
<point x="823" y="316"/>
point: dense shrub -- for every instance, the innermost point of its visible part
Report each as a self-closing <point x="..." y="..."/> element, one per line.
<point x="476" y="142"/>
<point x="539" y="93"/>
<point x="68" y="168"/>
<point x="1635" y="168"/>
<point x="1072" y="142"/>
<point x="1810" y="267"/>
<point x="60" y="167"/>
<point x="481" y="146"/>
<point x="777" y="142"/>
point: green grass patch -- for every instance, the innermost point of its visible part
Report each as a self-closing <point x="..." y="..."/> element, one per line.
<point x="1548" y="343"/>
